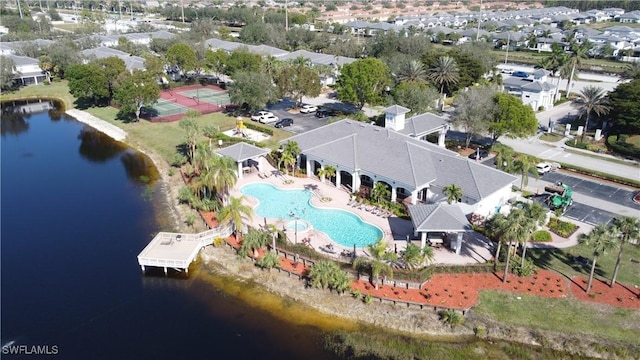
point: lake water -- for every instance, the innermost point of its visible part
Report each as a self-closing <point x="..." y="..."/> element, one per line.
<point x="75" y="213"/>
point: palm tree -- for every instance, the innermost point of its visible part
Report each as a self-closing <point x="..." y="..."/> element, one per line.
<point x="578" y="52"/>
<point x="453" y="193"/>
<point x="601" y="240"/>
<point x="225" y="174"/>
<point x="287" y="160"/>
<point x="327" y="171"/>
<point x="630" y="72"/>
<point x="190" y="126"/>
<point x="445" y="72"/>
<point x="591" y="99"/>
<point x="270" y="66"/>
<point x="516" y="228"/>
<point x="321" y="273"/>
<point x="377" y="264"/>
<point x="412" y="71"/>
<point x="413" y="256"/>
<point x="525" y="166"/>
<point x="252" y="242"/>
<point x="290" y="151"/>
<point x="268" y="261"/>
<point x="537" y="214"/>
<point x="505" y="159"/>
<point x="628" y="229"/>
<point x="556" y="61"/>
<point x="380" y="191"/>
<point x="236" y="213"/>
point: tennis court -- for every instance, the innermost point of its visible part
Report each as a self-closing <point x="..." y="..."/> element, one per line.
<point x="207" y="95"/>
<point x="166" y="107"/>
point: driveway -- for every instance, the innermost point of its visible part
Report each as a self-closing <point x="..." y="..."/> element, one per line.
<point x="581" y="212"/>
<point x="607" y="192"/>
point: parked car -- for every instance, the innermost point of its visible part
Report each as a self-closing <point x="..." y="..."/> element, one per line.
<point x="507" y="71"/>
<point x="522" y="74"/>
<point x="259" y="114"/>
<point x="268" y="119"/>
<point x="323" y="113"/>
<point x="308" y="109"/>
<point x="284" y="123"/>
<point x="479" y="154"/>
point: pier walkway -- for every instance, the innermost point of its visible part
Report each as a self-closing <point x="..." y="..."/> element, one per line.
<point x="178" y="250"/>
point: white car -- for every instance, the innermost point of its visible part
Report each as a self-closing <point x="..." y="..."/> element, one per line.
<point x="259" y="114"/>
<point x="543" y="168"/>
<point x="268" y="119"/>
<point x="308" y="109"/>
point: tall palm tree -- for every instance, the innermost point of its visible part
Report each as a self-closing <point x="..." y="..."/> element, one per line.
<point x="445" y="73"/>
<point x="601" y="240"/>
<point x="505" y="159"/>
<point x="630" y="72"/>
<point x="537" y="214"/>
<point x="453" y="193"/>
<point x="592" y="99"/>
<point x="578" y="52"/>
<point x="412" y="70"/>
<point x="628" y="229"/>
<point x="376" y="265"/>
<point x="516" y="228"/>
<point x="287" y="160"/>
<point x="236" y="213"/>
<point x="526" y="165"/>
<point x="556" y="61"/>
<point x="270" y="66"/>
<point x="226" y="175"/>
<point x="291" y="149"/>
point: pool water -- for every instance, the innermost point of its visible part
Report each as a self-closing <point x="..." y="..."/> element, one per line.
<point x="341" y="226"/>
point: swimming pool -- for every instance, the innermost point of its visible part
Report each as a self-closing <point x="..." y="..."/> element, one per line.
<point x="341" y="226"/>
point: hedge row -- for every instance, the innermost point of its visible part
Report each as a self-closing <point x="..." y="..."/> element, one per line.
<point x="256" y="127"/>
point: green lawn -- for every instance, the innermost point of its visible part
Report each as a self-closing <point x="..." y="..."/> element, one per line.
<point x="551" y="137"/>
<point x="56" y="90"/>
<point x="164" y="138"/>
<point x="634" y="140"/>
<point x="561" y="261"/>
<point x="561" y="315"/>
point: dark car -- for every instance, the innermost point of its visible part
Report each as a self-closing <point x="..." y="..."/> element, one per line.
<point x="284" y="123"/>
<point x="479" y="155"/>
<point x="522" y="74"/>
<point x="323" y="113"/>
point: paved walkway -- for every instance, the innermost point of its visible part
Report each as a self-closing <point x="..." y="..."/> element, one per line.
<point x="476" y="248"/>
<point x="106" y="128"/>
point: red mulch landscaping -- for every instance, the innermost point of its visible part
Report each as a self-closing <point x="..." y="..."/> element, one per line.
<point x="210" y="218"/>
<point x="460" y="291"/>
<point x="621" y="295"/>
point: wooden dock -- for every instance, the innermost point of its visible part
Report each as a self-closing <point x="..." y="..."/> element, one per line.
<point x="178" y="250"/>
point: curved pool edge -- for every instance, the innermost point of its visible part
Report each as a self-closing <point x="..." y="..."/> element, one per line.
<point x="321" y="207"/>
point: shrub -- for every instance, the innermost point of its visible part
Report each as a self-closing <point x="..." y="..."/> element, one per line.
<point x="367" y="299"/>
<point x="219" y="241"/>
<point x="576" y="144"/>
<point x="178" y="159"/>
<point x="451" y="317"/>
<point x="541" y="236"/>
<point x="253" y="126"/>
<point x="561" y="228"/>
<point x="525" y="270"/>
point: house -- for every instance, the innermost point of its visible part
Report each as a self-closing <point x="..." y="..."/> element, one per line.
<point x="630" y="17"/>
<point x="414" y="170"/>
<point x="27" y="70"/>
<point x="536" y="92"/>
<point x="131" y="62"/>
<point x="13" y="47"/>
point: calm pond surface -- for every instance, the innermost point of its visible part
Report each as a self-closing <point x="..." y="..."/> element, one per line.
<point x="75" y="213"/>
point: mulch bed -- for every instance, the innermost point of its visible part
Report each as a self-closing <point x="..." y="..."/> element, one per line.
<point x="621" y="295"/>
<point x="460" y="291"/>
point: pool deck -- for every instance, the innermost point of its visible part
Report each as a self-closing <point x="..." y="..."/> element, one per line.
<point x="475" y="249"/>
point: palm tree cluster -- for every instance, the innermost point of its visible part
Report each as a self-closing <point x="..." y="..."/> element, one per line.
<point x="604" y="238"/>
<point x="516" y="228"/>
<point x="289" y="156"/>
<point x="253" y="241"/>
<point x="327" y="274"/>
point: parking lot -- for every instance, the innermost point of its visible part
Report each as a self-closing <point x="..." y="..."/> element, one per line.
<point x="594" y="189"/>
<point x="304" y="122"/>
<point x="582" y="212"/>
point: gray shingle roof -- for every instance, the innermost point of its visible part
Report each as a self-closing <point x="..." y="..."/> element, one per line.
<point x="438" y="217"/>
<point x="392" y="156"/>
<point x="22" y="60"/>
<point x="423" y="124"/>
<point x="131" y="62"/>
<point x="396" y="109"/>
<point x="242" y="151"/>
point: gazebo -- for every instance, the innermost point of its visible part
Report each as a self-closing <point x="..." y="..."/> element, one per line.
<point x="439" y="218"/>
<point x="245" y="155"/>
